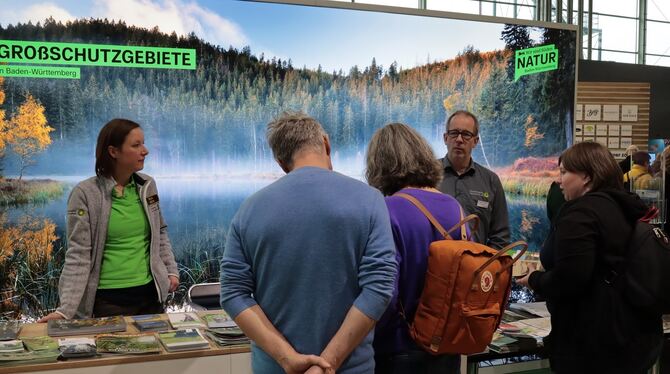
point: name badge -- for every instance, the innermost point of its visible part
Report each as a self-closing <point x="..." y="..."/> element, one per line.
<point x="153" y="199"/>
<point x="482" y="204"/>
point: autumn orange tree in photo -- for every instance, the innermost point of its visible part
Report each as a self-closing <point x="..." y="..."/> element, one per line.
<point x="28" y="132"/>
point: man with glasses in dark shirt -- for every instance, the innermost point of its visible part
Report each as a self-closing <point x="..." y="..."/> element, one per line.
<point x="477" y="188"/>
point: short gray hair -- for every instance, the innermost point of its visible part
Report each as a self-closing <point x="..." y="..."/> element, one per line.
<point x="293" y="132"/>
<point x="400" y="157"/>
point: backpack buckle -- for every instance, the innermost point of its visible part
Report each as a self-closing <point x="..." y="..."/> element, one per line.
<point x="435" y="343"/>
<point x="611" y="276"/>
<point x="660" y="235"/>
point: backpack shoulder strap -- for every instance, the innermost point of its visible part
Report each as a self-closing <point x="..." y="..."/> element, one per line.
<point x="472" y="217"/>
<point x="425" y="212"/>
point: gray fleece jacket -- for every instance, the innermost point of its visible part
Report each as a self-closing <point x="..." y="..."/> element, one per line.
<point x="88" y="210"/>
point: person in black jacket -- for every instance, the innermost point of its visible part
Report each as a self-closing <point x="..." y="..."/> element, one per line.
<point x="594" y="328"/>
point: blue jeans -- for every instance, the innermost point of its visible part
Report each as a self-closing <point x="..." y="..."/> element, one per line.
<point x="417" y="362"/>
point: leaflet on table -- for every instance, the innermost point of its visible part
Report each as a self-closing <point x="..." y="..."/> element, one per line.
<point x="150" y="322"/>
<point x="182" y="340"/>
<point x="77" y="347"/>
<point x="184" y="320"/>
<point x="537" y="309"/>
<point x="9" y="330"/>
<point x="40" y="343"/>
<point x="218" y="319"/>
<point x="127" y="344"/>
<point x="537" y="328"/>
<point x="85" y="326"/>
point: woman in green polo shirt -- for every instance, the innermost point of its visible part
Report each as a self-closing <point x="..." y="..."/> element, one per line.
<point x="119" y="259"/>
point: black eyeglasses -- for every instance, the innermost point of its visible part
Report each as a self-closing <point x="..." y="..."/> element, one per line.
<point x="466" y="135"/>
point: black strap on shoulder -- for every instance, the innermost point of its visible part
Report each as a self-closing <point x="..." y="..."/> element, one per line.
<point x="612" y="265"/>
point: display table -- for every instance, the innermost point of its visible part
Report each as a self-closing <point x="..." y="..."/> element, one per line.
<point x="213" y="360"/>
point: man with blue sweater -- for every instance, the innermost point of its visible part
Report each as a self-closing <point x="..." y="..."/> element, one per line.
<point x="309" y="262"/>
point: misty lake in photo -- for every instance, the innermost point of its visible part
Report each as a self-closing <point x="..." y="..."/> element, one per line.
<point x="200" y="209"/>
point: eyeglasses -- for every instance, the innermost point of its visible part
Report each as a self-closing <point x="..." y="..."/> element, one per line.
<point x="466" y="135"/>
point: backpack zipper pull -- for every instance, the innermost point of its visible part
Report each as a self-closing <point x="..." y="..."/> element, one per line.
<point x="660" y="235"/>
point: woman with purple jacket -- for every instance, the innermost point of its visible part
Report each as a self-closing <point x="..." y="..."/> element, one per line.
<point x="399" y="160"/>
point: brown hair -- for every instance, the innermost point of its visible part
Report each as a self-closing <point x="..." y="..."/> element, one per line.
<point x="291" y="133"/>
<point x="114" y="133"/>
<point x="640" y="158"/>
<point x="594" y="160"/>
<point x="399" y="157"/>
<point x="467" y="114"/>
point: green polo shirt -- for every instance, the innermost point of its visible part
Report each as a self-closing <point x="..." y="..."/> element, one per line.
<point x="125" y="261"/>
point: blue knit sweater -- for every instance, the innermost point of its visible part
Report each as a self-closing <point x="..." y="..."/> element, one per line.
<point x="305" y="249"/>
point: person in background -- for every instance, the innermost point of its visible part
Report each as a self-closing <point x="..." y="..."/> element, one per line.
<point x="665" y="157"/>
<point x="625" y="163"/>
<point x="309" y="262"/>
<point x="399" y="160"/>
<point x="119" y="260"/>
<point x="593" y="328"/>
<point x="476" y="188"/>
<point x="639" y="176"/>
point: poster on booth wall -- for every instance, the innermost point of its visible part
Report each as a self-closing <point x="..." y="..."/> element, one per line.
<point x="614" y="130"/>
<point x="589" y="130"/>
<point x="611" y="112"/>
<point x="629" y="113"/>
<point x="204" y="77"/>
<point x="592" y="112"/>
<point x="601" y="130"/>
<point x="579" y="112"/>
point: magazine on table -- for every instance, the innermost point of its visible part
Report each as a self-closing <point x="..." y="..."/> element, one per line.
<point x="146" y="317"/>
<point x="503" y="344"/>
<point x="127" y="344"/>
<point x="183" y="340"/>
<point x="29" y="357"/>
<point x="40" y="343"/>
<point x="150" y="322"/>
<point x="537" y="309"/>
<point x="86" y="326"/>
<point x="11" y="346"/>
<point x="185" y="320"/>
<point x="77" y="347"/>
<point x="218" y="320"/>
<point x="9" y="330"/>
<point x="227" y="336"/>
<point x="537" y="328"/>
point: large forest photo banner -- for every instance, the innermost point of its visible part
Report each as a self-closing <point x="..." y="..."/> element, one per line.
<point x="204" y="77"/>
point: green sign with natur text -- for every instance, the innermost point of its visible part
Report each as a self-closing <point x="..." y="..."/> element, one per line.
<point x="535" y="60"/>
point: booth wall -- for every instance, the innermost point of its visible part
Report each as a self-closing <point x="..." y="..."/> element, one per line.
<point x="657" y="76"/>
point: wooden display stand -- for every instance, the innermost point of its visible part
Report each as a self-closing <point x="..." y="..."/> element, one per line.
<point x="216" y="359"/>
<point x="613" y="114"/>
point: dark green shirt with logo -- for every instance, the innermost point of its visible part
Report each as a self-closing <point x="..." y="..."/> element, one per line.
<point x="480" y="192"/>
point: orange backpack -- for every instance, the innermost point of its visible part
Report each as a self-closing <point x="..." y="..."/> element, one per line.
<point x="465" y="291"/>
